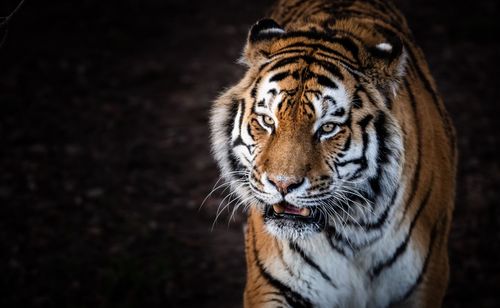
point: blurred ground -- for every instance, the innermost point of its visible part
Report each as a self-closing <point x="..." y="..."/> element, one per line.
<point x="104" y="155"/>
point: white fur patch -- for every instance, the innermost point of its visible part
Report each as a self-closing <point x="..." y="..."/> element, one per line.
<point x="384" y="47"/>
<point x="271" y="101"/>
<point x="331" y="101"/>
<point x="272" y="30"/>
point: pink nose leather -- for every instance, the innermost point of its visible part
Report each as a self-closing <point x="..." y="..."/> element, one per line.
<point x="285" y="184"/>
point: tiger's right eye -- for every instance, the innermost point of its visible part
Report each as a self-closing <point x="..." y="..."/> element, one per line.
<point x="268" y="120"/>
<point x="327" y="130"/>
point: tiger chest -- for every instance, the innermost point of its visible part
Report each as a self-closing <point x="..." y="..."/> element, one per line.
<point x="326" y="278"/>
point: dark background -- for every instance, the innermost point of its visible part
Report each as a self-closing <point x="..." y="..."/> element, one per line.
<point x="104" y="154"/>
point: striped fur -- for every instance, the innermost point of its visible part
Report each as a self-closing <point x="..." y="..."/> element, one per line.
<point x="338" y="101"/>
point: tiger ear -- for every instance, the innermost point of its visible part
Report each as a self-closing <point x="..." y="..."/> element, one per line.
<point x="385" y="63"/>
<point x="260" y="39"/>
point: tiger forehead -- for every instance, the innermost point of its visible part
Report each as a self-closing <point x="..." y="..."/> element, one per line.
<point x="304" y="72"/>
<point x="312" y="89"/>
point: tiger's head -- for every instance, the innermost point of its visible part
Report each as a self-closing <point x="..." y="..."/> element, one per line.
<point x="308" y="136"/>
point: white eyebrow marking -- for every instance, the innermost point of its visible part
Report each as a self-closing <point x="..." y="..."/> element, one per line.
<point x="331" y="101"/>
<point x="269" y="92"/>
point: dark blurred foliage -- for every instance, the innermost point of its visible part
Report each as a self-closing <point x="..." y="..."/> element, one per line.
<point x="104" y="155"/>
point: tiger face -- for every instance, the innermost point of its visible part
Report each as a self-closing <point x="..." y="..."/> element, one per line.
<point x="307" y="137"/>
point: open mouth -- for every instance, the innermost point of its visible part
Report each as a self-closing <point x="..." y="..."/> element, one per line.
<point x="284" y="208"/>
<point x="287" y="211"/>
<point x="291" y="222"/>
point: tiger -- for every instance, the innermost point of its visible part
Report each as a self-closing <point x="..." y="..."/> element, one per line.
<point x="338" y="144"/>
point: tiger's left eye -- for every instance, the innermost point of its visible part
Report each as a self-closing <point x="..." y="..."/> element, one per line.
<point x="327" y="128"/>
<point x="268" y="120"/>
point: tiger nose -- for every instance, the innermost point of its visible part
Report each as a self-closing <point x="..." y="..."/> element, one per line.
<point x="285" y="184"/>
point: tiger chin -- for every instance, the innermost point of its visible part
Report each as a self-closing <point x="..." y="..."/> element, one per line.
<point x="338" y="144"/>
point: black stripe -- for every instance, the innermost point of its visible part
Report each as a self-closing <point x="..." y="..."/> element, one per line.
<point x="357" y="103"/>
<point x="249" y="132"/>
<point x="347" y="64"/>
<point x="360" y="160"/>
<point x="253" y="92"/>
<point x="279" y="76"/>
<point x="388" y="98"/>
<point x="365" y="121"/>
<point x="332" y="167"/>
<point x="361" y="89"/>
<point x="235" y="165"/>
<point x="288" y="50"/>
<point x="382" y="153"/>
<point x="239" y="141"/>
<point x="338" y="112"/>
<point x="333" y="245"/>
<point x="293" y="298"/>
<point x="350" y="46"/>
<point x="327" y="52"/>
<point x="375" y="272"/>
<point x="282" y="63"/>
<point x="286" y="265"/>
<point x="295" y="247"/>
<point x="382" y="134"/>
<point x="347" y="144"/>
<point x="347" y="43"/>
<point x="339" y="237"/>
<point x="375" y="184"/>
<point x="255" y="178"/>
<point x="330" y="68"/>
<point x="420" y="277"/>
<point x="229" y="125"/>
<point x="326" y="82"/>
<point x="368" y="226"/>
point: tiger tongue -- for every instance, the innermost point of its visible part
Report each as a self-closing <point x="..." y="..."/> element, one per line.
<point x="287" y="208"/>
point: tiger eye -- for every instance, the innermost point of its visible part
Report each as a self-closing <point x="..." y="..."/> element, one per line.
<point x="268" y="120"/>
<point x="327" y="128"/>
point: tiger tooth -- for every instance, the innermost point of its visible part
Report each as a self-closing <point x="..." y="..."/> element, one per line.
<point x="305" y="212"/>
<point x="278" y="209"/>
